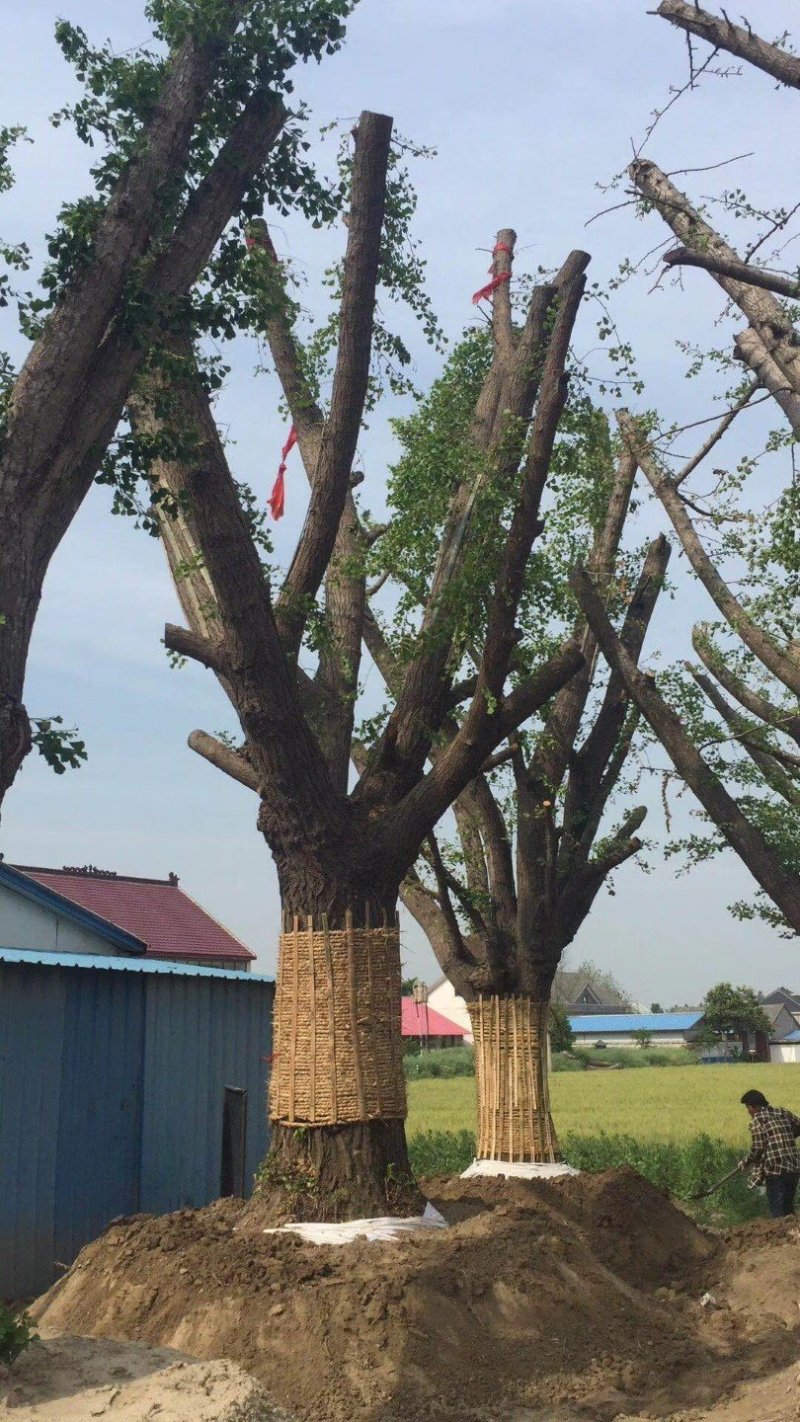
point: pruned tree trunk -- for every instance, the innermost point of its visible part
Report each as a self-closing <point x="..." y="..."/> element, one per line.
<point x="337" y="1091"/>
<point x="514" y="1120"/>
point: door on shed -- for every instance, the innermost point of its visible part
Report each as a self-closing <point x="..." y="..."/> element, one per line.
<point x="100" y="1118"/>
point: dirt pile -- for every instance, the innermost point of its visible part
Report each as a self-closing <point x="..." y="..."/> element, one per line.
<point x="580" y="1294"/>
<point x="62" y="1379"/>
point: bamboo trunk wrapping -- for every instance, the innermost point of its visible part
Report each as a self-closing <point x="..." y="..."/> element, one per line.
<point x="514" y="1120"/>
<point x="338" y="1052"/>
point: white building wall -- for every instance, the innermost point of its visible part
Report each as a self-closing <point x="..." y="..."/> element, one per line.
<point x="783" y="1052"/>
<point x="626" y="1039"/>
<point x="444" y="998"/>
<point x="30" y="926"/>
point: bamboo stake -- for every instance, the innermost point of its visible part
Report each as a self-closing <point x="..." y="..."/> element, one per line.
<point x="313" y="1022"/>
<point x="331" y="1014"/>
<point x="354" y="1032"/>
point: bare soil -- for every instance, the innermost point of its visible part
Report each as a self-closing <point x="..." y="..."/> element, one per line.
<point x="79" y="1379"/>
<point x="577" y="1298"/>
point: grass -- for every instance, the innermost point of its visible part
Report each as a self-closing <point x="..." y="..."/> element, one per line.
<point x="683" y="1129"/>
<point x="650" y="1105"/>
<point x="460" y="1061"/>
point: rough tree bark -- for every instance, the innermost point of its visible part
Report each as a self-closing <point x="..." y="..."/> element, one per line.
<point x="69" y="395"/>
<point x="341" y="856"/>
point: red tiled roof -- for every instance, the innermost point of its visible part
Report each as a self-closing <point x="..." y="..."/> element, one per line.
<point x="419" y="1020"/>
<point x="155" y="910"/>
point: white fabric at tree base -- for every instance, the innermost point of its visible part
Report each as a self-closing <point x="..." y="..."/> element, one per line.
<point x="386" y="1227"/>
<point x="520" y="1169"/>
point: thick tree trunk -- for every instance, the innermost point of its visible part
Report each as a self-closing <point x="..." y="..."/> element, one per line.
<point x="337" y="1091"/>
<point x="514" y="1120"/>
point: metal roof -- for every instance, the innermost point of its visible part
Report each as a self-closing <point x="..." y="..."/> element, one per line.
<point x="124" y="965"/>
<point x="49" y="898"/>
<point x="163" y="919"/>
<point x="625" y="1022"/>
<point x="419" y="1020"/>
<point x="790" y="1037"/>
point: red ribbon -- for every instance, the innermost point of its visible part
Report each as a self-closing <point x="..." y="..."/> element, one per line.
<point x="496" y="281"/>
<point x="276" y="499"/>
<point x="490" y="287"/>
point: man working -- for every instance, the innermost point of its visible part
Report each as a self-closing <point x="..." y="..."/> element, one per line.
<point x="773" y="1152"/>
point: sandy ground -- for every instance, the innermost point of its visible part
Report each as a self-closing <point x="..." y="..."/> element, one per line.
<point x="68" y="1379"/>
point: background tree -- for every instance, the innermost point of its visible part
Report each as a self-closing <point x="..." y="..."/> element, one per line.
<point x="736" y="722"/>
<point x="734" y="1012"/>
<point x="341" y="849"/>
<point x="190" y="132"/>
<point x="502" y="903"/>
<point x="562" y="1037"/>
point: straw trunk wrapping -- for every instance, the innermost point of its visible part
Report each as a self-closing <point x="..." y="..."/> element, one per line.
<point x="514" y="1121"/>
<point x="338" y="1054"/>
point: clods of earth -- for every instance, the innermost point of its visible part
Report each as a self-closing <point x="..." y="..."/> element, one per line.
<point x="588" y="1297"/>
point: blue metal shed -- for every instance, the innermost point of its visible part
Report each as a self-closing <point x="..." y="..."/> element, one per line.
<point x="115" y="1078"/>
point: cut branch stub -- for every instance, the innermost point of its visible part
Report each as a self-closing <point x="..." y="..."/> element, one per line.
<point x="338" y="1054"/>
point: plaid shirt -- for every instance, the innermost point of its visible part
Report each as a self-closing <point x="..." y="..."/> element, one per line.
<point x="773" y="1151"/>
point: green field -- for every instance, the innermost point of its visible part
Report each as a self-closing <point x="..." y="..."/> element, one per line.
<point x="650" y="1104"/>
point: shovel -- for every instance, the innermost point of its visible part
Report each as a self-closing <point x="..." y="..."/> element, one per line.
<point x="712" y="1190"/>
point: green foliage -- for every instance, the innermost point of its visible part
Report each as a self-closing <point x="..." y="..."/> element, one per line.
<point x="60" y="745"/>
<point x="561" y="1033"/>
<point x="732" y="1011"/>
<point x="629" y="1057"/>
<point x="442" y="1062"/>
<point x="681" y="1169"/>
<point x="642" y="1037"/>
<point x="16" y="1334"/>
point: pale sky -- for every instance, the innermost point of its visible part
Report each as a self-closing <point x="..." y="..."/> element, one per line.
<point x="530" y="106"/>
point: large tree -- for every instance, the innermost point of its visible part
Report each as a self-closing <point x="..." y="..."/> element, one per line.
<point x="288" y="658"/>
<point x="502" y="901"/>
<point x="190" y="132"/>
<point x="738" y="723"/>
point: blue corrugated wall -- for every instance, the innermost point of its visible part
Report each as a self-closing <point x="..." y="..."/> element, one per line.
<point x="111" y="1097"/>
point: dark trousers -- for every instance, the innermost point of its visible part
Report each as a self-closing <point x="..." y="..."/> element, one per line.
<point x="781" y="1192"/>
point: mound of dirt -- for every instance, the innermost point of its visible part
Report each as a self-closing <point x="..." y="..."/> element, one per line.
<point x="758" y="1270"/>
<point x="75" y="1379"/>
<point x="582" y="1293"/>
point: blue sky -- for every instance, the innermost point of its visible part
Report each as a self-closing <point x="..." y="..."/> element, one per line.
<point x="529" y="106"/>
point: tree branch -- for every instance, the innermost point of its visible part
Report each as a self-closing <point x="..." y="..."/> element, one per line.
<point x="718" y="31"/>
<point x="752" y="701"/>
<point x="119" y="356"/>
<point x="189" y="644"/>
<point x="766" y="315"/>
<point x="225" y="759"/>
<point x="722" y="809"/>
<point x="56" y="368"/>
<point x="716" y="435"/>
<point x="740" y="271"/>
<point x="340" y="435"/>
<point x="785" y="667"/>
<point x="601" y="759"/>
<point x="773" y="772"/>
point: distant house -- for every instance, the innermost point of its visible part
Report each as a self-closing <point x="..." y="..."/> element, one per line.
<point x="787" y="999"/>
<point x="665" y="1029"/>
<point x="97" y="911"/>
<point x="424" y="1026"/>
<point x="579" y="994"/>
<point x="780" y="1018"/>
<point x="787" y="1049"/>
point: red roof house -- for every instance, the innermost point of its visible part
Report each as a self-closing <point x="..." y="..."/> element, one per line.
<point x="424" y="1024"/>
<point x="163" y="918"/>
